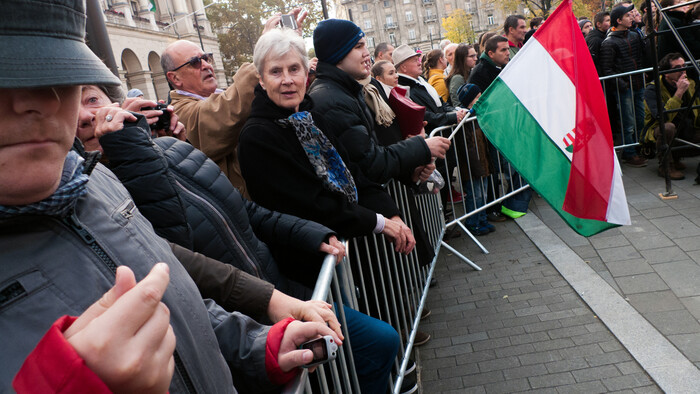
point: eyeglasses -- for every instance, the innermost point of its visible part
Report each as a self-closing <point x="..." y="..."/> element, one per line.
<point x="196" y="61"/>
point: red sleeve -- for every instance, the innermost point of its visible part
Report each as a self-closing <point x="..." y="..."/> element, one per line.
<point x="272" y="349"/>
<point x="55" y="367"/>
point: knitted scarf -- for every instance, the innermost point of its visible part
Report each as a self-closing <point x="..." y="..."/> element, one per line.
<point x="322" y="155"/>
<point x="384" y="115"/>
<point x="73" y="185"/>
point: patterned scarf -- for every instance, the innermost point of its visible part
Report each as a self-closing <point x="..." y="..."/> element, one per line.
<point x="322" y="155"/>
<point x="72" y="187"/>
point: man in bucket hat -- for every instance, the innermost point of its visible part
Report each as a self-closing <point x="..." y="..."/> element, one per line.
<point x="74" y="245"/>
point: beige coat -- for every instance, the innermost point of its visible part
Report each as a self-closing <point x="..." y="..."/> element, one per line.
<point x="214" y="125"/>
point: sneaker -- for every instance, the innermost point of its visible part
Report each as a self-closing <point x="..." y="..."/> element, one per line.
<point x="485" y="224"/>
<point x="511" y="213"/>
<point x="636" y="161"/>
<point x="673" y="174"/>
<point x="426" y="312"/>
<point x="478" y="230"/>
<point x="421" y="338"/>
<point x="433" y="283"/>
<point x="409" y="384"/>
<point x="496" y="217"/>
<point x="455" y="196"/>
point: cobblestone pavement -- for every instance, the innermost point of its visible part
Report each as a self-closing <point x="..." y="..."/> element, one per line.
<point x="518" y="325"/>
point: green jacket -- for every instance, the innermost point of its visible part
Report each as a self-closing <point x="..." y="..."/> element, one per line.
<point x="650" y="111"/>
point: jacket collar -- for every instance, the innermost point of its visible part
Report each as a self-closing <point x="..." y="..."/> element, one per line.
<point x="330" y="72"/>
<point x="263" y="107"/>
<point x="485" y="58"/>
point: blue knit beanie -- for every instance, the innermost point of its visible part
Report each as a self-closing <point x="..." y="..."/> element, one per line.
<point x="467" y="93"/>
<point x="334" y="39"/>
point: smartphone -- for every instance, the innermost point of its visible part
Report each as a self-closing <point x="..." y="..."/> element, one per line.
<point x="324" y="349"/>
<point x="288" y="21"/>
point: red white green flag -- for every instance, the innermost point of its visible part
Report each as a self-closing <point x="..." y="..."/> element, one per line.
<point x="546" y="113"/>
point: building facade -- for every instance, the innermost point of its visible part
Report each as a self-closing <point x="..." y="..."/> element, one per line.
<point x="417" y="23"/>
<point x="139" y="31"/>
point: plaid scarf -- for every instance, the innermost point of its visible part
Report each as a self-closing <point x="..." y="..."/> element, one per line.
<point x="322" y="155"/>
<point x="61" y="202"/>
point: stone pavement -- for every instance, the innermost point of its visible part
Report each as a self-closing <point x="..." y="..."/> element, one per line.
<point x="520" y="325"/>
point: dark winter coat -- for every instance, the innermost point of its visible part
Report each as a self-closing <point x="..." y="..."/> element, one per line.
<point x="221" y="224"/>
<point x="593" y="39"/>
<point x="484" y="73"/>
<point x="339" y="103"/>
<point x="623" y="51"/>
<point x="690" y="35"/>
<point x="434" y="115"/>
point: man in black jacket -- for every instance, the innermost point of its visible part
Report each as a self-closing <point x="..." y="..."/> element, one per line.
<point x="343" y="59"/>
<point x="623" y="51"/>
<point x="495" y="56"/>
<point x="596" y="36"/>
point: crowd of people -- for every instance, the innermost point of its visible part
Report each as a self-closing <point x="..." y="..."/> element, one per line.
<point x="149" y="256"/>
<point x="620" y="43"/>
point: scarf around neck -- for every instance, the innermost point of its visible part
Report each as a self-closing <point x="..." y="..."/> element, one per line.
<point x="73" y="185"/>
<point x="322" y="155"/>
<point x="383" y="114"/>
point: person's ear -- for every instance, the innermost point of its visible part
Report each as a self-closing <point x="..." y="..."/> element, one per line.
<point x="262" y="84"/>
<point x="173" y="79"/>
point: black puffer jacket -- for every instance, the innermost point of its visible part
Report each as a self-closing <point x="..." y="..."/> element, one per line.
<point x="221" y="223"/>
<point x="339" y="103"/>
<point x="434" y="115"/>
<point x="690" y="35"/>
<point x="593" y="39"/>
<point x="623" y="51"/>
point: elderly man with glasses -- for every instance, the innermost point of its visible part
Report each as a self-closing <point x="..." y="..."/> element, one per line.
<point x="213" y="117"/>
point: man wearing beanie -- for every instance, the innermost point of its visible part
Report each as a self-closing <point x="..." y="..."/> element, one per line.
<point x="343" y="60"/>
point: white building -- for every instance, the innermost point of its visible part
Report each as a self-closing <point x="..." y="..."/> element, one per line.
<point x="417" y="23"/>
<point x="139" y="35"/>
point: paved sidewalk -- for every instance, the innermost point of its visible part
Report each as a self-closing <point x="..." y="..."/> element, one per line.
<point x="518" y="325"/>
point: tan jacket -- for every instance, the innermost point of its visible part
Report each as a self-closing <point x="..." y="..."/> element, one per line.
<point x="214" y="125"/>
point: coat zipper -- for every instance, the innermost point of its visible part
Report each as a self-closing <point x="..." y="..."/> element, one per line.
<point x="225" y="222"/>
<point x="74" y="224"/>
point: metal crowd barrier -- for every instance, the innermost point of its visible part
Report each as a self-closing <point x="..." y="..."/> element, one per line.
<point x="613" y="94"/>
<point x="502" y="183"/>
<point x="393" y="288"/>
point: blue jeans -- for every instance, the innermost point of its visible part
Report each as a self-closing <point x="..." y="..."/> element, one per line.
<point x="475" y="193"/>
<point x="631" y="103"/>
<point x="520" y="201"/>
<point x="374" y="347"/>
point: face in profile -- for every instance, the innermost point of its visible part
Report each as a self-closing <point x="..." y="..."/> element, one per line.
<point x="389" y="76"/>
<point x="36" y="133"/>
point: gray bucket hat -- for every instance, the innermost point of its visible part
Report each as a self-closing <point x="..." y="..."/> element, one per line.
<point x="43" y="44"/>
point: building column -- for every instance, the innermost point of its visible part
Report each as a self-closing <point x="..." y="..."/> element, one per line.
<point x="185" y="25"/>
<point x="161" y="85"/>
<point x="125" y="8"/>
<point x="145" y="11"/>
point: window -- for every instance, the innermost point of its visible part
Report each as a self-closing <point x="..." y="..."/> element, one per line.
<point x="134" y="7"/>
<point x="412" y="35"/>
<point x="409" y="16"/>
<point x="387" y="4"/>
<point x="469" y="6"/>
<point x="389" y="20"/>
<point x="428" y="13"/>
<point x="407" y="1"/>
<point x="370" y="42"/>
<point x="365" y="7"/>
<point x="350" y="15"/>
<point x="448" y="8"/>
<point x="490" y="19"/>
<point x="368" y="24"/>
<point x="431" y="30"/>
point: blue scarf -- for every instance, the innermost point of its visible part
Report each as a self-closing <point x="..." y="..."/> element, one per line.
<point x="73" y="186"/>
<point x="322" y="155"/>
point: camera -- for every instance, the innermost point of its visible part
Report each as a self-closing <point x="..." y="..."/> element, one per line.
<point x="288" y="21"/>
<point x="325" y="349"/>
<point x="163" y="122"/>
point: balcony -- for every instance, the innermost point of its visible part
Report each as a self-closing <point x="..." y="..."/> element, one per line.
<point x="430" y="18"/>
<point x="391" y="26"/>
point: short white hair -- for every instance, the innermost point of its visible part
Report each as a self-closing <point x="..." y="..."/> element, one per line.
<point x="276" y="43"/>
<point x="445" y="43"/>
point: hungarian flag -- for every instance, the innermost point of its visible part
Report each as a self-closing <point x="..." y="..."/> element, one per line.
<point x="546" y="113"/>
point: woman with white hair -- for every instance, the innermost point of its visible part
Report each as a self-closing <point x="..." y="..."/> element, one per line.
<point x="291" y="166"/>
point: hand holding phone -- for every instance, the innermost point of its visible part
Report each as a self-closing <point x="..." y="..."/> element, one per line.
<point x="324" y="349"/>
